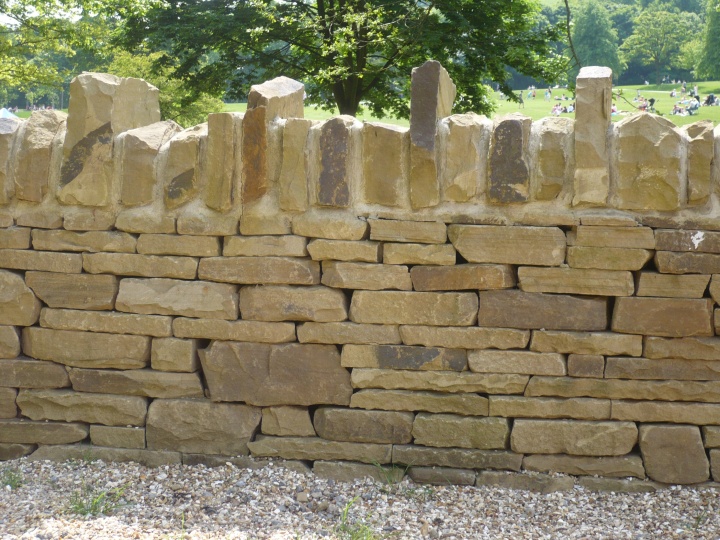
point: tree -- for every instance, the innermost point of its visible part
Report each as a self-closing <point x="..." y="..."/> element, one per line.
<point x="658" y="37"/>
<point x="594" y="39"/>
<point x="709" y="64"/>
<point x="348" y="52"/>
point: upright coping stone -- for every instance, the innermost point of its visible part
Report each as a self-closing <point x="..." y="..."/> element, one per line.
<point x="592" y="120"/>
<point x="431" y="99"/>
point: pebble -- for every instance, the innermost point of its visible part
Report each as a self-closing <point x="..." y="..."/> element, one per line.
<point x="273" y="503"/>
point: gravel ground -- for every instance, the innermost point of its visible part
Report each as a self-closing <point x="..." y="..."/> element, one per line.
<point x="57" y="500"/>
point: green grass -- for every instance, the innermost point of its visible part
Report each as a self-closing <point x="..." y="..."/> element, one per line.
<point x="347" y="529"/>
<point x="91" y="502"/>
<point x="11" y="478"/>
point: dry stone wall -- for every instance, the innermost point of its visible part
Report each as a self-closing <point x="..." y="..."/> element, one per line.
<point x="460" y="297"/>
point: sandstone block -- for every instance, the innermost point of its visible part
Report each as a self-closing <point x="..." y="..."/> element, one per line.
<point x="420" y="232"/>
<point x="462" y="277"/>
<point x="463" y="150"/>
<point x="687" y="240"/>
<point x="138" y="149"/>
<point x="266" y="375"/>
<point x="34" y="142"/>
<point x="658" y="411"/>
<point x="509" y="245"/>
<point x="27" y="432"/>
<point x="575" y="437"/>
<point x="172" y="354"/>
<point x="254" y="153"/>
<point x="699" y="160"/>
<point x="423" y="308"/>
<point x="43" y="261"/>
<point x="9" y="342"/>
<point x="106" y="322"/>
<point x="80" y="452"/>
<point x="292" y="182"/>
<point x="259" y="221"/>
<point x="18" y="304"/>
<point x="117" y="437"/>
<point x="386" y="174"/>
<point x="185" y="245"/>
<point x="330" y="225"/>
<point x="520" y="309"/>
<point x="344" y="250"/>
<point x="524" y="407"/>
<point x="176" y="297"/>
<point x="432" y="93"/>
<point x="91" y="241"/>
<point x="671" y="286"/>
<point x="11" y="451"/>
<point x="354" y="275"/>
<point x="276" y="303"/>
<point x="355" y="425"/>
<point x="69" y="406"/>
<point x="669" y="262"/>
<point x="88" y="219"/>
<point x="465" y="337"/>
<point x="714" y="287"/>
<point x="282" y="96"/>
<point x="27" y="373"/>
<point x="683" y="348"/>
<point x="591" y="343"/>
<point x="86" y="349"/>
<point x="434" y="402"/>
<point x="439" y="381"/>
<point x="287" y="421"/>
<point x="669" y="317"/>
<point x="576" y="281"/>
<point x="338" y="160"/>
<point x="608" y="258"/>
<point x="9" y="128"/>
<point x="442" y="476"/>
<point x="14" y="237"/>
<point x="221" y="170"/>
<point x="74" y="291"/>
<point x="315" y="448"/>
<point x="196" y="220"/>
<point x="200" y="426"/>
<point x="260" y="270"/>
<point x="715" y="461"/>
<point x="520" y="362"/>
<point x="586" y="365"/>
<point x="620" y="466"/>
<point x="436" y="254"/>
<point x="144" y="221"/>
<point x="140" y="265"/>
<point x="265" y="246"/>
<point x="137" y="382"/>
<point x="347" y="471"/>
<point x="508" y="163"/>
<point x="347" y="332"/>
<point x="450" y="430"/>
<point x="711" y="436"/>
<point x="403" y="357"/>
<point x="553" y="142"/>
<point x="674" y="454"/>
<point x="8" y="409"/>
<point x="261" y="332"/>
<point x="680" y="370"/>
<point x="612" y="237"/>
<point x="463" y="458"/>
<point x="177" y="165"/>
<point x="47" y="218"/>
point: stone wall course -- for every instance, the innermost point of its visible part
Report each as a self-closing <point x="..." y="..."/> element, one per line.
<point x="74" y="291"/>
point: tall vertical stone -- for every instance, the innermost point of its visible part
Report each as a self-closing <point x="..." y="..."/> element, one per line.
<point x="463" y="145"/>
<point x="338" y="155"/>
<point x="223" y="148"/>
<point x="283" y="97"/>
<point x="254" y="154"/>
<point x="699" y="161"/>
<point x="32" y="161"/>
<point x="385" y="166"/>
<point x="101" y="107"/>
<point x="138" y="149"/>
<point x="8" y="130"/>
<point x="431" y="98"/>
<point x="293" y="191"/>
<point x="551" y="144"/>
<point x="178" y="165"/>
<point x="508" y="166"/>
<point x="647" y="159"/>
<point x="592" y="120"/>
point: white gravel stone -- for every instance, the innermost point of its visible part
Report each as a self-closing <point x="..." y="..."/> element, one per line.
<point x="195" y="502"/>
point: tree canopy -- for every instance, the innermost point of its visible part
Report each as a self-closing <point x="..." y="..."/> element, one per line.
<point x="594" y="39"/>
<point x="348" y="52"/>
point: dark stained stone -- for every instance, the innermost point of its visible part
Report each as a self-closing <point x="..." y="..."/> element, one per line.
<point x="670" y="262"/>
<point x="254" y="154"/>
<point x="333" y="189"/>
<point x="404" y="357"/>
<point x="181" y="184"/>
<point x="80" y="153"/>
<point x="509" y="178"/>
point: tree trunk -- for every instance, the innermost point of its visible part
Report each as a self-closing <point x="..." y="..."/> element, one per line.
<point x="345" y="104"/>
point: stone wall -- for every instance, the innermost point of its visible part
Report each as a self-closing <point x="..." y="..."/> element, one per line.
<point x="461" y="297"/>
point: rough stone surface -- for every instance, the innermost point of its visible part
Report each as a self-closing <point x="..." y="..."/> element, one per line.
<point x="465" y="338"/>
<point x="176" y="297"/>
<point x="200" y="426"/>
<point x="436" y="254"/>
<point x="177" y="166"/>
<point x="276" y="303"/>
<point x="292" y="183"/>
<point x="144" y="221"/>
<point x="462" y="458"/>
<point x="575" y="281"/>
<point x="620" y="467"/>
<point x="27" y="432"/>
<point x="255" y="331"/>
<point x="642" y="368"/>
<point x="286" y="421"/>
<point x="8" y="130"/>
<point x="521" y="362"/>
<point x="265" y="246"/>
<point x="282" y="96"/>
<point x="552" y="144"/>
<point x="696" y="241"/>
<point x="196" y="220"/>
<point x="509" y="245"/>
<point x="343" y="250"/>
<point x="330" y="225"/>
<point x="266" y="375"/>
<point x="8" y="409"/>
<point x="355" y="425"/>
<point x="462" y="277"/>
<point x="669" y="317"/>
<point x="386" y="173"/>
<point x="27" y="373"/>
<point x="524" y="407"/>
<point x="137" y="382"/>
<point x="575" y="437"/>
<point x="185" y="245"/>
<point x="347" y="332"/>
<point x="674" y="454"/>
<point x="450" y="430"/>
<point x="612" y="237"/>
<point x="403" y="357"/>
<point x="173" y="354"/>
<point x="260" y="270"/>
<point x="338" y="156"/>
<point x="315" y="448"/>
<point x="126" y="264"/>
<point x="91" y="241"/>
<point x="659" y="411"/>
<point x="74" y="291"/>
<point x="586" y="365"/>
<point x="347" y="471"/>
<point x="592" y="343"/>
<point x="221" y="170"/>
<point x="690" y="348"/>
<point x="87" y="349"/>
<point x="508" y="170"/>
<point x="88" y="219"/>
<point x="435" y="402"/>
<point x="117" y="437"/>
<point x="669" y="262"/>
<point x="70" y="406"/>
<point x="9" y="342"/>
<point x="711" y="436"/>
<point x="464" y="143"/>
<point x="520" y="309"/>
<point x="107" y="322"/>
<point x="14" y="237"/>
<point x="18" y="304"/>
<point x="442" y="476"/>
<point x="366" y="276"/>
<point x="424" y="308"/>
<point x="671" y="286"/>
<point x="11" y="451"/>
<point x="43" y="261"/>
<point x="422" y="232"/>
<point x="699" y="161"/>
<point x="608" y="258"/>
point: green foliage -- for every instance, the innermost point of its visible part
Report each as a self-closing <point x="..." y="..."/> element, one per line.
<point x="709" y="64"/>
<point x="594" y="39"/>
<point x="11" y="478"/>
<point x="347" y="52"/>
<point x="177" y="102"/>
<point x="348" y="529"/>
<point x="91" y="502"/>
